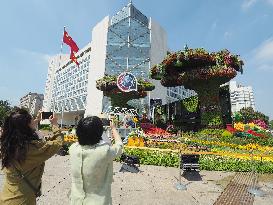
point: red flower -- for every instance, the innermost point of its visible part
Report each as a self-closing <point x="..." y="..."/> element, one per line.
<point x="254" y="133"/>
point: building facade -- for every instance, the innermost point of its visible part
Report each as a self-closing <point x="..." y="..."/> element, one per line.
<point x="54" y="63"/>
<point x="240" y="96"/>
<point x="178" y="93"/>
<point x="33" y="102"/>
<point x="66" y="87"/>
<point x="127" y="42"/>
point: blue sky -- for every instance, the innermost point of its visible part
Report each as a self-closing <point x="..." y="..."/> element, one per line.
<point x="31" y="32"/>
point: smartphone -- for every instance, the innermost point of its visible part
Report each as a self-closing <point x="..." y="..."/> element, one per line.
<point x="106" y="136"/>
<point x="46" y="115"/>
<point x="105" y="122"/>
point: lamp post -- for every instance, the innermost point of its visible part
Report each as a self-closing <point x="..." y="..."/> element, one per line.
<point x="62" y="115"/>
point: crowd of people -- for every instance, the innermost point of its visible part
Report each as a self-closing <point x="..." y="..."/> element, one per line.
<point x="23" y="154"/>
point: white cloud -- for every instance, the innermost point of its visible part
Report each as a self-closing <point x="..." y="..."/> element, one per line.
<point x="214" y="25"/>
<point x="227" y="34"/>
<point x="266" y="67"/>
<point x="34" y="55"/>
<point x="248" y="3"/>
<point x="262" y="56"/>
<point x="25" y="71"/>
<point x="265" y="50"/>
<point x="270" y="2"/>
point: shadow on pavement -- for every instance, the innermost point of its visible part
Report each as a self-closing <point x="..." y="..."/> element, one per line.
<point x="192" y="175"/>
<point x="128" y="168"/>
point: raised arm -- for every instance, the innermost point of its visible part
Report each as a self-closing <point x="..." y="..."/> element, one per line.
<point x="40" y="151"/>
<point x="116" y="149"/>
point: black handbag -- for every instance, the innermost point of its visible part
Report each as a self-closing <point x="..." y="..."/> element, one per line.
<point x="36" y="191"/>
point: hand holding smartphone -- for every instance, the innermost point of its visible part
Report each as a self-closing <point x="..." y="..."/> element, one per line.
<point x="46" y="115"/>
<point x="53" y="120"/>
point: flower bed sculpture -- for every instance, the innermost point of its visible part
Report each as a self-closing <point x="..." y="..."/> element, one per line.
<point x="203" y="72"/>
<point x="108" y="84"/>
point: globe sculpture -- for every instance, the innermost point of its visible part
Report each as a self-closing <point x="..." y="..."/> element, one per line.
<point x="119" y="98"/>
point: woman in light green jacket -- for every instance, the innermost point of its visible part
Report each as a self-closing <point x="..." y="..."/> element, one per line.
<point x="23" y="157"/>
<point x="92" y="163"/>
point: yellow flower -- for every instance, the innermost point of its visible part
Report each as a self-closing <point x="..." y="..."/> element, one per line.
<point x="135" y="120"/>
<point x="239" y="126"/>
<point x="131" y="142"/>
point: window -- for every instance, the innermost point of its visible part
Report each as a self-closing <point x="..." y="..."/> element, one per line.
<point x="118" y="50"/>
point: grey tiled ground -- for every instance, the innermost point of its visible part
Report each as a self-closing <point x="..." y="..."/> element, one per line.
<point x="153" y="185"/>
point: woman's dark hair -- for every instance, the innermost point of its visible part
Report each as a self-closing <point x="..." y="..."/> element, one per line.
<point x="89" y="130"/>
<point x="16" y="136"/>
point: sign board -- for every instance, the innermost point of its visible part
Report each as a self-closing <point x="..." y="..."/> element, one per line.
<point x="127" y="82"/>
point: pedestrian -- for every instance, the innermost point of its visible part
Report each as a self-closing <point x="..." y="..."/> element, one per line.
<point x="91" y="161"/>
<point x="23" y="157"/>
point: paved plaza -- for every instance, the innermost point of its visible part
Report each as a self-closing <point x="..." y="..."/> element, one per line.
<point x="152" y="185"/>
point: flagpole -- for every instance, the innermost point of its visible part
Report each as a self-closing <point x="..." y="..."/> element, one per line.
<point x="62" y="115"/>
<point x="73" y="49"/>
<point x="59" y="65"/>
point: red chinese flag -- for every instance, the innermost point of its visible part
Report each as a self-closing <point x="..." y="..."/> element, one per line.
<point x="69" y="41"/>
<point x="74" y="58"/>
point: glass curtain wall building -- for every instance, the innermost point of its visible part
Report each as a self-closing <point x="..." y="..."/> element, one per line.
<point x="128" y="47"/>
<point x="131" y="42"/>
<point x="128" y="43"/>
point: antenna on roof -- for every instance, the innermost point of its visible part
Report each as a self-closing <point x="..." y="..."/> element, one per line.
<point x="130" y="2"/>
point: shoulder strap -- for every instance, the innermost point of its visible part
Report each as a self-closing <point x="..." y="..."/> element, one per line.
<point x="36" y="191"/>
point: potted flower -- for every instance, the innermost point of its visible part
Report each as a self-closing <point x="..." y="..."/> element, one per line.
<point x="136" y="138"/>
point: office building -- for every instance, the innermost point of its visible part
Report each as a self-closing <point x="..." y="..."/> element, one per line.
<point x="33" y="102"/>
<point x="240" y="96"/>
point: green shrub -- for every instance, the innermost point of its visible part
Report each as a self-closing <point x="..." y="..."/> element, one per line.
<point x="45" y="127"/>
<point x="249" y="114"/>
<point x="211" y="119"/>
<point x="157" y="158"/>
<point x="227" y="135"/>
<point x="217" y="163"/>
<point x="191" y="104"/>
<point x="207" y="162"/>
<point x="212" y="132"/>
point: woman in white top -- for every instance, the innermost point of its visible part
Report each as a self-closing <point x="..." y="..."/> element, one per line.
<point x="92" y="163"/>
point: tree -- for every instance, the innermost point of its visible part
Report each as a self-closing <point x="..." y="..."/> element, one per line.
<point x="5" y="108"/>
<point x="271" y="124"/>
<point x="249" y="114"/>
<point x="203" y="72"/>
